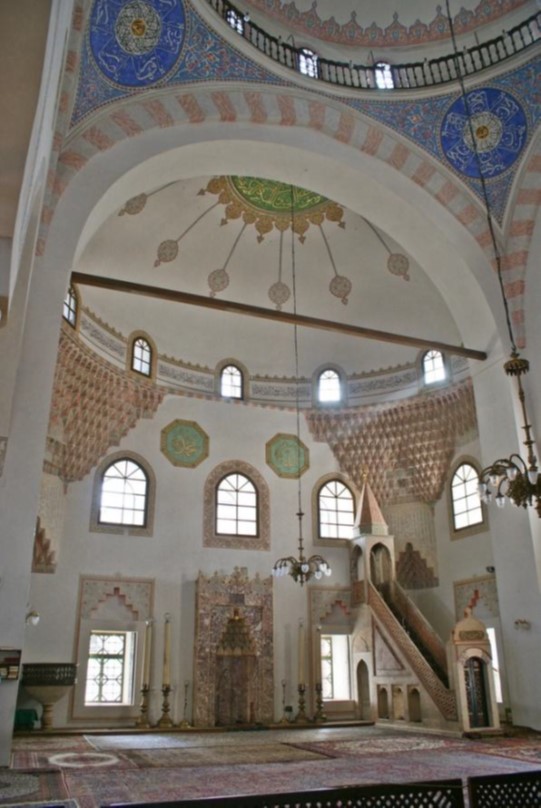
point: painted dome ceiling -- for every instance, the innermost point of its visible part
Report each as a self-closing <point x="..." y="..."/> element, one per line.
<point x="238" y="239"/>
<point x="381" y="23"/>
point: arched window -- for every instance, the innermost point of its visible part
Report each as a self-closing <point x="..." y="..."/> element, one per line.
<point x="328" y="386"/>
<point x="69" y="311"/>
<point x="231" y="382"/>
<point x="465" y="499"/>
<point x="123" y="498"/>
<point x="141" y="356"/>
<point x="336" y="510"/>
<point x="308" y="63"/>
<point x="235" y="20"/>
<point x="383" y="76"/>
<point x="236" y="506"/>
<point x="433" y="367"/>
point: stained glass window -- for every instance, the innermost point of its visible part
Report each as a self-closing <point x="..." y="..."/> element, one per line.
<point x="329" y="388"/>
<point x="69" y="311"/>
<point x="433" y="367"/>
<point x="141" y="360"/>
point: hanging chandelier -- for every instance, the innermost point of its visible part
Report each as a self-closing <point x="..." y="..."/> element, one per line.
<point x="301" y="569"/>
<point x="510" y="478"/>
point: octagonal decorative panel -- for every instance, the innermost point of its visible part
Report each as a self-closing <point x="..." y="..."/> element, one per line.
<point x="287" y="455"/>
<point x="184" y="443"/>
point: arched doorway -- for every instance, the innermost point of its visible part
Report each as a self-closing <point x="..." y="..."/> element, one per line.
<point x="363" y="690"/>
<point x="380" y="566"/>
<point x="414" y="704"/>
<point x="475" y="675"/>
<point x="383" y="702"/>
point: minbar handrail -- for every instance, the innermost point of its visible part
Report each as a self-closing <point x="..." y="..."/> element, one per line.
<point x="408" y="76"/>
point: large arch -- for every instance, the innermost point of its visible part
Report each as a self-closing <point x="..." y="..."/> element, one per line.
<point x="447" y="251"/>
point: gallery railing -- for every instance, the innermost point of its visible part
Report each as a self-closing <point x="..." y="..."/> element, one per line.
<point x="413" y="75"/>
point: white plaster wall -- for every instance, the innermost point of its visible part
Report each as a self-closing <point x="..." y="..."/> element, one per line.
<point x="174" y="555"/>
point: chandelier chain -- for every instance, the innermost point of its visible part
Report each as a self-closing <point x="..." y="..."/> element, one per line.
<point x="495" y="247"/>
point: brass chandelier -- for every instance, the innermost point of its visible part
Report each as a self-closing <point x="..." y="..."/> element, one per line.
<point x="510" y="478"/>
<point x="301" y="569"/>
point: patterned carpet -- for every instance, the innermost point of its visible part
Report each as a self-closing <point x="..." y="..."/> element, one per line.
<point x="31" y="786"/>
<point x="152" y="767"/>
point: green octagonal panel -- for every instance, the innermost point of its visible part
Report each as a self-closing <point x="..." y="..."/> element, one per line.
<point x="184" y="443"/>
<point x="287" y="455"/>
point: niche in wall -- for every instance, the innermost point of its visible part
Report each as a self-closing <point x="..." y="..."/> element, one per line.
<point x="220" y="601"/>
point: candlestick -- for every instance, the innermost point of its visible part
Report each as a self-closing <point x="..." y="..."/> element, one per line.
<point x="301" y="717"/>
<point x="143" y="721"/>
<point x="185" y="724"/>
<point x="166" y="678"/>
<point x="284" y="719"/>
<point x="165" y="719"/>
<point x="301" y="660"/>
<point x="147" y="653"/>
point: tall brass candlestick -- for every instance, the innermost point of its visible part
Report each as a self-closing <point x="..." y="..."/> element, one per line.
<point x="147" y="653"/>
<point x="166" y="677"/>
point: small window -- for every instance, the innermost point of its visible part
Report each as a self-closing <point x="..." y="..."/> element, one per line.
<point x="329" y="388"/>
<point x="383" y="75"/>
<point x="433" y="367"/>
<point x="123" y="496"/>
<point x="336" y="511"/>
<point x="235" y="20"/>
<point x="141" y="359"/>
<point x="236" y="506"/>
<point x="335" y="666"/>
<point x="69" y="311"/>
<point x="308" y="63"/>
<point x="110" y="669"/>
<point x="465" y="498"/>
<point x="231" y="382"/>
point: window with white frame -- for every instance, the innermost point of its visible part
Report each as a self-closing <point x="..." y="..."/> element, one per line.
<point x="383" y="75"/>
<point x="329" y="388"/>
<point x="123" y="494"/>
<point x="235" y="20"/>
<point x="336" y="510"/>
<point x="110" y="668"/>
<point x="141" y="357"/>
<point x="231" y="382"/>
<point x="335" y="667"/>
<point x="69" y="310"/>
<point x="433" y="367"/>
<point x="466" y="503"/>
<point x="236" y="506"/>
<point x="308" y="63"/>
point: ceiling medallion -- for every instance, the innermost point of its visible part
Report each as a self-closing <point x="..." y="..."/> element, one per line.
<point x="484" y="129"/>
<point x="266" y="205"/>
<point x="138" y="43"/>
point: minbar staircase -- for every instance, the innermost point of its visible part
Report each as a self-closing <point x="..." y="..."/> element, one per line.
<point x="408" y="629"/>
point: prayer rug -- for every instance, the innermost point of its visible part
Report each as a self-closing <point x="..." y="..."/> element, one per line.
<point x="383" y="746"/>
<point x="92" y="789"/>
<point x="221" y="755"/>
<point x="59" y="759"/>
<point x="34" y="786"/>
<point x="42" y="743"/>
<point x="62" y="804"/>
<point x="516" y="748"/>
<point x="180" y="740"/>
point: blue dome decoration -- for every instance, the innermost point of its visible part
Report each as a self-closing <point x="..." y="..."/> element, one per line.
<point x="136" y="43"/>
<point x="499" y="127"/>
